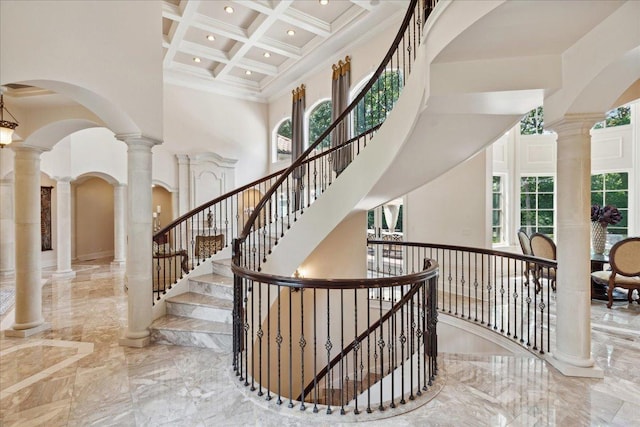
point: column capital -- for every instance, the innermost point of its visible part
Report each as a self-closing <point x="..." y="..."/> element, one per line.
<point x="63" y="178"/>
<point x="575" y="123"/>
<point x="119" y="185"/>
<point x="132" y="139"/>
<point x="183" y="159"/>
<point x="22" y="148"/>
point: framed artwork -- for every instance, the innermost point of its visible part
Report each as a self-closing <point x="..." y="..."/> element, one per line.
<point x="45" y="218"/>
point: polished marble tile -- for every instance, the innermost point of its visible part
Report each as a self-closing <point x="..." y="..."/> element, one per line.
<point x="162" y="385"/>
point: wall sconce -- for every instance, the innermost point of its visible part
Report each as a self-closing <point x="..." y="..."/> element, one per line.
<point x="156" y="219"/>
<point x="6" y="126"/>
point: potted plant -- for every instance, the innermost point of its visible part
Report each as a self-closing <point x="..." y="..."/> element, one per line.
<point x="601" y="217"/>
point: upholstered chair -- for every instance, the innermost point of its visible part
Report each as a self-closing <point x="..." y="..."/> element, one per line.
<point x="624" y="258"/>
<point x="543" y="247"/>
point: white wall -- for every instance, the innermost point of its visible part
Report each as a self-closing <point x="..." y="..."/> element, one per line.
<point x="613" y="149"/>
<point x="198" y="122"/>
<point x="452" y="209"/>
<point x="40" y="43"/>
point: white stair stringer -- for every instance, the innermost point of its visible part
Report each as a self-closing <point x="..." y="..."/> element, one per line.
<point x="354" y="182"/>
<point x="436" y="124"/>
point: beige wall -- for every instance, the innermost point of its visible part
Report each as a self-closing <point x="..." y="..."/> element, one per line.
<point x="93" y="219"/>
<point x="163" y="198"/>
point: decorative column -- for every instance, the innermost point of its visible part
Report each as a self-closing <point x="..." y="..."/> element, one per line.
<point x="139" y="240"/>
<point x="119" y="225"/>
<point x="63" y="250"/>
<point x="572" y="355"/>
<point x="7" y="229"/>
<point x="28" y="307"/>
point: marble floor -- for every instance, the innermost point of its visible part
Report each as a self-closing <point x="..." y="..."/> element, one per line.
<point x="76" y="374"/>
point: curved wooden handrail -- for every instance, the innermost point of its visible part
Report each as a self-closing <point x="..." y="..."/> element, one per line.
<point x="542" y="262"/>
<point x="414" y="279"/>
<point x="340" y="284"/>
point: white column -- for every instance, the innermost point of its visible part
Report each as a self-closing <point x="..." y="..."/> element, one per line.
<point x="63" y="250"/>
<point x="119" y="225"/>
<point x="572" y="355"/>
<point x="7" y="229"/>
<point x="139" y="241"/>
<point x="28" y="307"/>
<point x="634" y="221"/>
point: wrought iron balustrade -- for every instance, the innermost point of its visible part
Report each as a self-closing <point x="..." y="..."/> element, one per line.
<point x="509" y="293"/>
<point x="333" y="343"/>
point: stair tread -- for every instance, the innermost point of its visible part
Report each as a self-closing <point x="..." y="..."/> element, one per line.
<point x="213" y="278"/>
<point x="187" y="324"/>
<point x="194" y="298"/>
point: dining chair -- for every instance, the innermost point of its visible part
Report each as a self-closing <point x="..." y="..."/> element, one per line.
<point x="624" y="258"/>
<point x="525" y="245"/>
<point x="543" y="247"/>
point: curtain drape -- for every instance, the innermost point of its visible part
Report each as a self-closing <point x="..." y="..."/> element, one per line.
<point x="297" y="140"/>
<point x="341" y="81"/>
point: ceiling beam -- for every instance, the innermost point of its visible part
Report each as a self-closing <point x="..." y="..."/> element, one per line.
<point x="181" y="28"/>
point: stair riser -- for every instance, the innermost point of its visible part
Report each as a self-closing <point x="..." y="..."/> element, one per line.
<point x="222" y="269"/>
<point x="216" y="342"/>
<point x="212" y="289"/>
<point x="200" y="312"/>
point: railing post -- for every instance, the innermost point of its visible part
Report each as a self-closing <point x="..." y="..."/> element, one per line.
<point x="237" y="308"/>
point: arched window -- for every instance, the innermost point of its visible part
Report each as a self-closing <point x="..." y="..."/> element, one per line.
<point x="319" y="121"/>
<point x="283" y="141"/>
<point x="378" y="102"/>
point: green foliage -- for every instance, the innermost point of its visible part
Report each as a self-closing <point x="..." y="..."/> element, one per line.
<point x="378" y="102"/>
<point x="533" y="122"/>
<point x="319" y="121"/>
<point x="616" y="117"/>
<point x="537" y="204"/>
<point x="285" y="129"/>
<point x="612" y="189"/>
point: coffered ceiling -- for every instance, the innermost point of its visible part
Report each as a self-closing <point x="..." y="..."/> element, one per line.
<point x="256" y="48"/>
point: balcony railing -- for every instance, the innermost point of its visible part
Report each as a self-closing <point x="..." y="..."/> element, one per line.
<point x="352" y="344"/>
<point x="510" y="294"/>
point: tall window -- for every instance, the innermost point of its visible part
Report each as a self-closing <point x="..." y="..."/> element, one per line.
<point x="319" y="121"/>
<point x="283" y="141"/>
<point x="378" y="102"/>
<point x="616" y="117"/>
<point x="537" y="204"/>
<point x="613" y="189"/>
<point x="498" y="209"/>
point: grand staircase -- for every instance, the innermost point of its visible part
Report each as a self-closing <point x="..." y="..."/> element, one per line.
<point x="434" y="126"/>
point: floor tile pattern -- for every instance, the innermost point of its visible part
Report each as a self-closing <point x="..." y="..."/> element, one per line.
<point x="76" y="374"/>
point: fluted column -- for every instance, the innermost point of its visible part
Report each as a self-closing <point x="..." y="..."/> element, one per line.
<point x="119" y="225"/>
<point x="63" y="226"/>
<point x="28" y="307"/>
<point x="7" y="229"/>
<point x="572" y="355"/>
<point x="139" y="241"/>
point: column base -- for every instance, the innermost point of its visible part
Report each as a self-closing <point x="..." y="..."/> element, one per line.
<point x="118" y="265"/>
<point x="134" y="342"/>
<point x="61" y="275"/>
<point x="570" y="370"/>
<point x="24" y="333"/>
<point x="7" y="274"/>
